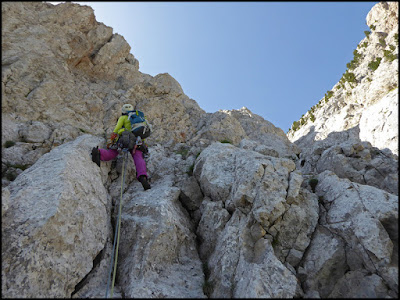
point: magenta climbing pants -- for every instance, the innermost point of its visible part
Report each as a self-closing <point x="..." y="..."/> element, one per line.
<point x="137" y="155"/>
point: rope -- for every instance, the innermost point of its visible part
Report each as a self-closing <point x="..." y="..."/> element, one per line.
<point x="116" y="237"/>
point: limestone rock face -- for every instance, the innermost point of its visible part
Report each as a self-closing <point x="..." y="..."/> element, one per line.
<point x="221" y="127"/>
<point x="383" y="16"/>
<point x="351" y="158"/>
<point x="64" y="74"/>
<point x="264" y="132"/>
<point x="236" y="209"/>
<point x="371" y="127"/>
<point x="235" y="125"/>
<point x="252" y="188"/>
<point x="370" y="100"/>
<point x="55" y="223"/>
<point x="356" y="235"/>
<point x="158" y="249"/>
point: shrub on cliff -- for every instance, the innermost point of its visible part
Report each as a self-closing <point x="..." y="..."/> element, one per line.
<point x="373" y="65"/>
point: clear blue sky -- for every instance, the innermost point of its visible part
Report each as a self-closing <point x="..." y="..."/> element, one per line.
<point x="276" y="58"/>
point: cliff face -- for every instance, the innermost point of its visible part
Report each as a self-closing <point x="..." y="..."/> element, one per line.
<point x="259" y="216"/>
<point x="366" y="97"/>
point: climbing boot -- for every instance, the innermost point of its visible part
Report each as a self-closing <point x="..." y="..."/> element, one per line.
<point x="145" y="183"/>
<point x="96" y="155"/>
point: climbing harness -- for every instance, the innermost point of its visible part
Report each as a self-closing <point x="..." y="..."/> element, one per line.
<point x="117" y="234"/>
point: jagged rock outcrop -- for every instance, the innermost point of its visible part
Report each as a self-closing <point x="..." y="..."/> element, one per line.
<point x="64" y="75"/>
<point x="253" y="203"/>
<point x="236" y="125"/>
<point x="235" y="210"/>
<point x="349" y="157"/>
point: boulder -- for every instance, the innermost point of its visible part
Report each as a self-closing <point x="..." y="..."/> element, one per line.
<point x="56" y="223"/>
<point x="357" y="218"/>
<point x="158" y="256"/>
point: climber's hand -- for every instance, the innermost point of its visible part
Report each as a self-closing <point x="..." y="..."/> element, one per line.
<point x="113" y="136"/>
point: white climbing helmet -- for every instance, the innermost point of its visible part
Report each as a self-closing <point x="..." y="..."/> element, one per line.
<point x="127" y="108"/>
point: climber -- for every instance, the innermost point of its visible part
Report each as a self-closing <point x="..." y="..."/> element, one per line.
<point x="122" y="137"/>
